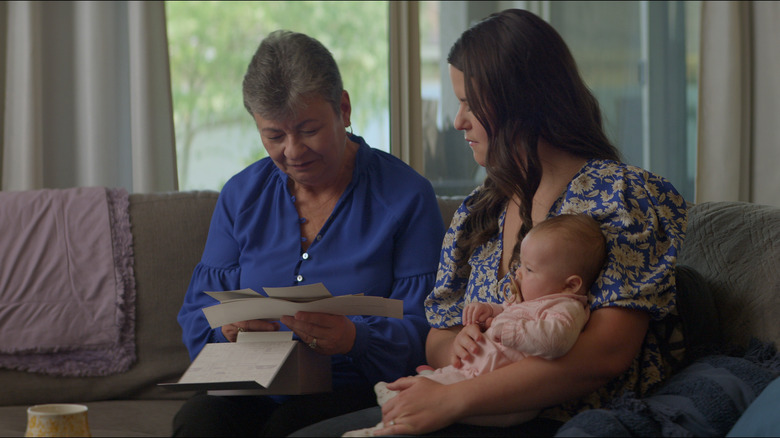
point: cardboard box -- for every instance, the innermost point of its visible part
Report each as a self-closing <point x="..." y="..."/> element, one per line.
<point x="257" y="367"/>
<point x="272" y="363"/>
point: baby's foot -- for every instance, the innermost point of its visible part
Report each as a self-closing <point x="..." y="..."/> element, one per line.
<point x="424" y="370"/>
<point x="383" y="394"/>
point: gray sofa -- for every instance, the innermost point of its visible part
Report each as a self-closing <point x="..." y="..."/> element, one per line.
<point x="734" y="246"/>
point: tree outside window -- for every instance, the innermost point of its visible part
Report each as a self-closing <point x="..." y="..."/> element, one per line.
<point x="210" y="45"/>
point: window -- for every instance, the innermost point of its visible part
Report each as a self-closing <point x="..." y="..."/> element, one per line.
<point x="210" y="45"/>
<point x="639" y="58"/>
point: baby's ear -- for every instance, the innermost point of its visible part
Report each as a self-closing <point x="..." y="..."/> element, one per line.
<point x="573" y="284"/>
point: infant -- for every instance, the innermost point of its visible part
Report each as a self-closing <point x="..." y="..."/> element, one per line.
<point x="543" y="315"/>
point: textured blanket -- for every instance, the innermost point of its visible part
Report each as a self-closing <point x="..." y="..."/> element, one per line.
<point x="67" y="290"/>
<point x="704" y="399"/>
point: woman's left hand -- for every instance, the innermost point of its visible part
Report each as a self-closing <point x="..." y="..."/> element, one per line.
<point x="421" y="406"/>
<point x="325" y="333"/>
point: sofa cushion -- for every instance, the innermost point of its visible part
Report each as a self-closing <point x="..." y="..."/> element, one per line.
<point x="698" y="313"/>
<point x="169" y="234"/>
<point x="735" y="246"/>
<point x="448" y="205"/>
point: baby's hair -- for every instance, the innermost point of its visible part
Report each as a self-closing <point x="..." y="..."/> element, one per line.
<point x="583" y="235"/>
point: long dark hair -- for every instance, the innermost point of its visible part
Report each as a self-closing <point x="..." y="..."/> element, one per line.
<point x="523" y="85"/>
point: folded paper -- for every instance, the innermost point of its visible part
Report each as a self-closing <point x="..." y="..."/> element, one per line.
<point x="246" y="304"/>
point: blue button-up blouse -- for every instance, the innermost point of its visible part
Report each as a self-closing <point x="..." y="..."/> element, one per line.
<point x="383" y="239"/>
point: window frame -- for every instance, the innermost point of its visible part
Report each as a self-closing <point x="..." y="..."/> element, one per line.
<point x="405" y="95"/>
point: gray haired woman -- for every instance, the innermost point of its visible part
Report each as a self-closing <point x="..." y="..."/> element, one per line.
<point x="322" y="207"/>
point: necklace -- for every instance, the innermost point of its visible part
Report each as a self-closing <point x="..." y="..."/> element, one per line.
<point x="315" y="207"/>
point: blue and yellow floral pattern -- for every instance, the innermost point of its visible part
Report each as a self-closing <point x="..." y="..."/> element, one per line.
<point x="643" y="218"/>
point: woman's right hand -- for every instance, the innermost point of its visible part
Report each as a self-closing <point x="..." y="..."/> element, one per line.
<point x="253" y="325"/>
<point x="421" y="406"/>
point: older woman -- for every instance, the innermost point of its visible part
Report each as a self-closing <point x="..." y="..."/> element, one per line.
<point x="323" y="207"/>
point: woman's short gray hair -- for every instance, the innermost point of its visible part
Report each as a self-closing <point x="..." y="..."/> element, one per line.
<point x="287" y="68"/>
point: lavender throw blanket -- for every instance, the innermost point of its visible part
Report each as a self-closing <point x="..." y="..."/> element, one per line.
<point x="67" y="290"/>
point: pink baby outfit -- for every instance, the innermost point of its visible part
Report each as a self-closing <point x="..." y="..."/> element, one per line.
<point x="546" y="327"/>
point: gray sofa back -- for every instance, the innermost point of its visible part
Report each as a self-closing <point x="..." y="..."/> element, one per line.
<point x="733" y="246"/>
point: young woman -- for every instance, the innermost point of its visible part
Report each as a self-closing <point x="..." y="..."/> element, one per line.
<point x="534" y="125"/>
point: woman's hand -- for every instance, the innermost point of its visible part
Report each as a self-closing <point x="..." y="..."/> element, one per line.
<point x="421" y="406"/>
<point x="254" y="325"/>
<point x="326" y="333"/>
<point x="605" y="349"/>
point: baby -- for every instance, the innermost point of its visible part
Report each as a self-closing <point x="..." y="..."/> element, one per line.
<point x="543" y="315"/>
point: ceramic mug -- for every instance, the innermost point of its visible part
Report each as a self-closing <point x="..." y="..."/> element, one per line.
<point x="57" y="420"/>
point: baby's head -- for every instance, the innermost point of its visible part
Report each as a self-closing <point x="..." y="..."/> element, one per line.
<point x="563" y="254"/>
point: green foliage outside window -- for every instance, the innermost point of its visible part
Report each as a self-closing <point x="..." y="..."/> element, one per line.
<point x="211" y="43"/>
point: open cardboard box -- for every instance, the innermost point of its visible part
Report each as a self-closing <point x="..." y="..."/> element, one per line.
<point x="260" y="363"/>
<point x="272" y="362"/>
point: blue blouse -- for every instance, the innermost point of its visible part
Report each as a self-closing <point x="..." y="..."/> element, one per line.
<point x="382" y="239"/>
<point x="643" y="218"/>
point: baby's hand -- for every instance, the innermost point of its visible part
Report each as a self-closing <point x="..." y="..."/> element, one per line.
<point x="477" y="313"/>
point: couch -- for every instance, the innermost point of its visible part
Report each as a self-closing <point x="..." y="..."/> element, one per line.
<point x="731" y="253"/>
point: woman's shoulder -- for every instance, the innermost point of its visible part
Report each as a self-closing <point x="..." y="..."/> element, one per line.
<point x="615" y="181"/>
<point x="246" y="184"/>
<point x="611" y="170"/>
<point x="384" y="166"/>
<point x="614" y="172"/>
<point x="621" y="195"/>
<point x="387" y="176"/>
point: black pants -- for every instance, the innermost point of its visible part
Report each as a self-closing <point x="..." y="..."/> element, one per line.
<point x="204" y="415"/>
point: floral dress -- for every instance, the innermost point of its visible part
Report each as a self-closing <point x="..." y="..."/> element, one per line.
<point x="643" y="219"/>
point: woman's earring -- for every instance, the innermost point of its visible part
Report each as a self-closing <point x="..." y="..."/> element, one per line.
<point x="349" y="128"/>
